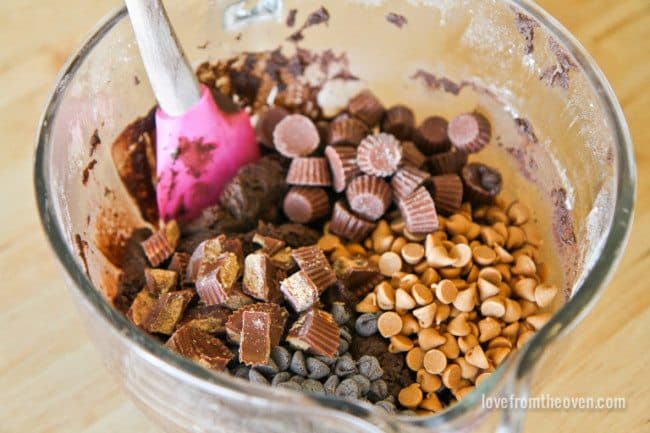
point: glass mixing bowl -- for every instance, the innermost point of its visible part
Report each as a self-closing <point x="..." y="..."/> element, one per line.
<point x="561" y="142"/>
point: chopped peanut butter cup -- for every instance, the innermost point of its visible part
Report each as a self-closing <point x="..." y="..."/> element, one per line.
<point x="447" y="193"/>
<point x="470" y="132"/>
<point x="369" y="196"/>
<point x="419" y="212"/>
<point x="311" y="171"/>
<point x="343" y="164"/>
<point x="315" y="265"/>
<point x="200" y="347"/>
<point x="379" y="155"/>
<point x="431" y="135"/>
<point x="346" y="132"/>
<point x="345" y="223"/>
<point x="367" y="107"/>
<point x="399" y="121"/>
<point x="277" y="313"/>
<point x="306" y="204"/>
<point x="482" y="183"/>
<point x="161" y="245"/>
<point x="406" y="180"/>
<point x="296" y="135"/>
<point x="315" y="332"/>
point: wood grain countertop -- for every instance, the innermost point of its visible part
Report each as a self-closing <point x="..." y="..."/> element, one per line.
<point x="51" y="379"/>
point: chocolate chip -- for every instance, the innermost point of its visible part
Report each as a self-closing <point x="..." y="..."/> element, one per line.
<point x="386" y="405"/>
<point x="378" y="390"/>
<point x="327" y="360"/>
<point x="280" y="378"/>
<point x="312" y="385"/>
<point x="317" y="369"/>
<point x="257" y="377"/>
<point x="341" y="313"/>
<point x="363" y="382"/>
<point x="345" y="334"/>
<point x="268" y="369"/>
<point x="348" y="389"/>
<point x="282" y="357"/>
<point x="343" y="346"/>
<point x="369" y="366"/>
<point x="366" y="324"/>
<point x="345" y="366"/>
<point x="290" y="385"/>
<point x="242" y="372"/>
<point x="298" y="365"/>
<point x="331" y="384"/>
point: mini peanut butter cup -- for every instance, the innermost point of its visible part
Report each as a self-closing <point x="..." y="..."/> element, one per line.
<point x="451" y="161"/>
<point x="315" y="332"/>
<point x="470" y="132"/>
<point x="366" y="107"/>
<point x="296" y="135"/>
<point x="346" y="224"/>
<point x="315" y="265"/>
<point x="406" y="180"/>
<point x="309" y="171"/>
<point x="343" y="164"/>
<point x="368" y="196"/>
<point x="399" y="121"/>
<point x="431" y="135"/>
<point x="346" y="132"/>
<point x="481" y="183"/>
<point x="412" y="155"/>
<point x="306" y="204"/>
<point x="447" y="193"/>
<point x="266" y="123"/>
<point x="379" y="155"/>
<point x="419" y="211"/>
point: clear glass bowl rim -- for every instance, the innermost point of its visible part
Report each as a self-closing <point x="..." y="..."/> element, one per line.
<point x="596" y="273"/>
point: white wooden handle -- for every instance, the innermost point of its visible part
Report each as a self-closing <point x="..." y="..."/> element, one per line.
<point x="173" y="80"/>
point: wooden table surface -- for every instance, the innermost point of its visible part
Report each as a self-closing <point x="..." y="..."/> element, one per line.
<point x="51" y="379"/>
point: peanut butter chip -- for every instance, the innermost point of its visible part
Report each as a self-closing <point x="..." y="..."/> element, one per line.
<point x="404" y="301"/>
<point x="428" y="382"/>
<point x="422" y="294"/>
<point x="518" y="213"/>
<point x="538" y="320"/>
<point x="459" y="326"/>
<point x="544" y="294"/>
<point x="484" y="255"/>
<point x="412" y="253"/>
<point x="415" y="358"/>
<point x="425" y="315"/>
<point x="524" y="265"/>
<point x="400" y="343"/>
<point x="411" y="396"/>
<point x="431" y="403"/>
<point x="525" y="289"/>
<point x="435" y="361"/>
<point x="385" y="296"/>
<point x="389" y="263"/>
<point x="462" y="255"/>
<point x="389" y="324"/>
<point x="451" y="376"/>
<point x="476" y="357"/>
<point x="446" y="291"/>
<point x="429" y="338"/>
<point x="368" y="304"/>
<point x="489" y="328"/>
<point x="493" y="307"/>
<point x="410" y="325"/>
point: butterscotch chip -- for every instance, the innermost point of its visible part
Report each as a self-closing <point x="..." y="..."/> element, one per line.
<point x="167" y="312"/>
<point x="462" y="392"/>
<point x="462" y="255"/>
<point x="497" y="355"/>
<point x="400" y="343"/>
<point x="309" y="171"/>
<point x="425" y="315"/>
<point x="379" y="155"/>
<point x="261" y="278"/>
<point x="518" y="213"/>
<point x="316" y="332"/>
<point x="411" y="396"/>
<point x="343" y="164"/>
<point x="415" y="358"/>
<point x="367" y="107"/>
<point x="544" y="294"/>
<point x="368" y="196"/>
<point x="329" y="242"/>
<point x="346" y="132"/>
<point x="208" y="318"/>
<point x="200" y="347"/>
<point x="446" y="291"/>
<point x="476" y="357"/>
<point x="500" y="341"/>
<point x="216" y="280"/>
<point x="255" y="341"/>
<point x="389" y="263"/>
<point x="389" y="324"/>
<point x="484" y="255"/>
<point x="346" y="224"/>
<point x="406" y="180"/>
<point x="434" y="361"/>
<point x="524" y="265"/>
<point x="295" y="135"/>
<point x="278" y="322"/>
<point x="160" y="281"/>
<point x="450" y="348"/>
<point x="367" y="304"/>
<point x="481" y="377"/>
<point x="412" y="253"/>
<point x="161" y="245"/>
<point x="466" y="342"/>
<point x="467" y="370"/>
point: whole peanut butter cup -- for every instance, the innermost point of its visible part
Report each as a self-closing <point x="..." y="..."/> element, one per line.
<point x="296" y="135"/>
<point x="447" y="193"/>
<point x="309" y="171"/>
<point x="346" y="224"/>
<point x="266" y="123"/>
<point x="346" y="131"/>
<point x="379" y="155"/>
<point x="451" y="161"/>
<point x="431" y="135"/>
<point x="306" y="204"/>
<point x="368" y="196"/>
<point x="399" y="121"/>
<point x="412" y="155"/>
<point x="481" y="182"/>
<point x="419" y="211"/>
<point x="470" y="132"/>
<point x="366" y="107"/>
<point x="343" y="165"/>
<point x="406" y="180"/>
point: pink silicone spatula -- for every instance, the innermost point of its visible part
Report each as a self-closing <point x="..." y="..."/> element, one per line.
<point x="199" y="146"/>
